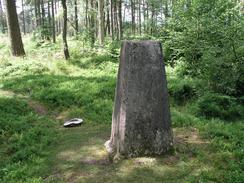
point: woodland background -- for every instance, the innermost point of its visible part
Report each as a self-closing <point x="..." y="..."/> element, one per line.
<point x="66" y="66"/>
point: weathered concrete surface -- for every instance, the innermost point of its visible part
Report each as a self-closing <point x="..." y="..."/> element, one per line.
<point x="141" y="117"/>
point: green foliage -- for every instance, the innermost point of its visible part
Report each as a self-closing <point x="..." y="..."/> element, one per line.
<point x="182" y="119"/>
<point x="24" y="138"/>
<point x="14" y="69"/>
<point x="183" y="90"/>
<point x="41" y="33"/>
<point x="86" y="38"/>
<point x="113" y="47"/>
<point x="208" y="37"/>
<point x="220" y="106"/>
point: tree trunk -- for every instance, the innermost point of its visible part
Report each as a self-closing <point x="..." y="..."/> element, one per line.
<point x="2" y="18"/>
<point x="23" y="10"/>
<point x="111" y="20"/>
<point x="152" y="22"/>
<point x="133" y="17"/>
<point x="141" y="117"/>
<point x="108" y="18"/>
<point x="115" y="19"/>
<point x="30" y="20"/>
<point x="39" y="12"/>
<point x="36" y="14"/>
<point x="57" y="19"/>
<point x="166" y="11"/>
<point x="92" y="23"/>
<point x="55" y="7"/>
<point x="173" y="7"/>
<point x="43" y="13"/>
<point x="49" y="18"/>
<point x="124" y="13"/>
<point x="120" y="19"/>
<point x="139" y="16"/>
<point x="101" y="21"/>
<point x="144" y="16"/>
<point x="76" y="18"/>
<point x="96" y="23"/>
<point x="59" y="22"/>
<point x="65" y="44"/>
<point x="53" y="23"/>
<point x="17" y="47"/>
<point x="147" y="17"/>
<point x="86" y="16"/>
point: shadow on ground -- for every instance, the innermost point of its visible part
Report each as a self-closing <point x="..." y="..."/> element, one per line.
<point x="81" y="157"/>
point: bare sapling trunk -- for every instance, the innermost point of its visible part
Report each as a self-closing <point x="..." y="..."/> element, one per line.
<point x="64" y="35"/>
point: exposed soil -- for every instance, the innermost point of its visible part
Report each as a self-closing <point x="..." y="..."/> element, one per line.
<point x="35" y="105"/>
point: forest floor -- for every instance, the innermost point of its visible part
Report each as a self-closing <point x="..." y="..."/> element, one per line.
<point x="39" y="92"/>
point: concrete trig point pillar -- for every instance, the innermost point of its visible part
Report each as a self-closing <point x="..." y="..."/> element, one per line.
<point x="141" y="117"/>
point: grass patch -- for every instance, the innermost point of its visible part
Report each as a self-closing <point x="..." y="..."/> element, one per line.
<point x="24" y="139"/>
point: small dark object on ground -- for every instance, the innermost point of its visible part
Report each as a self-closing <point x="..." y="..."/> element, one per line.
<point x="73" y="122"/>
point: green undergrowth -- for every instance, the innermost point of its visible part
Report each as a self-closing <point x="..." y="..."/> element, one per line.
<point x="24" y="139"/>
<point x="195" y="95"/>
<point x="35" y="148"/>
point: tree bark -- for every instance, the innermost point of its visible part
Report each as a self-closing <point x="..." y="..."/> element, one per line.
<point x="152" y="21"/>
<point x="43" y="13"/>
<point x="86" y="14"/>
<point x="2" y="18"/>
<point x="147" y="18"/>
<point x="39" y="12"/>
<point x="92" y="23"/>
<point x="133" y="17"/>
<point x="101" y="21"/>
<point x="64" y="35"/>
<point x="36" y="14"/>
<point x="144" y="16"/>
<point x="17" y="47"/>
<point x="57" y="19"/>
<point x="49" y="18"/>
<point x="23" y="16"/>
<point x="76" y="18"/>
<point x="115" y="19"/>
<point x="120" y="19"/>
<point x="139" y="16"/>
<point x="53" y="23"/>
<point x="108" y="18"/>
<point x="111" y="20"/>
<point x="59" y="22"/>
